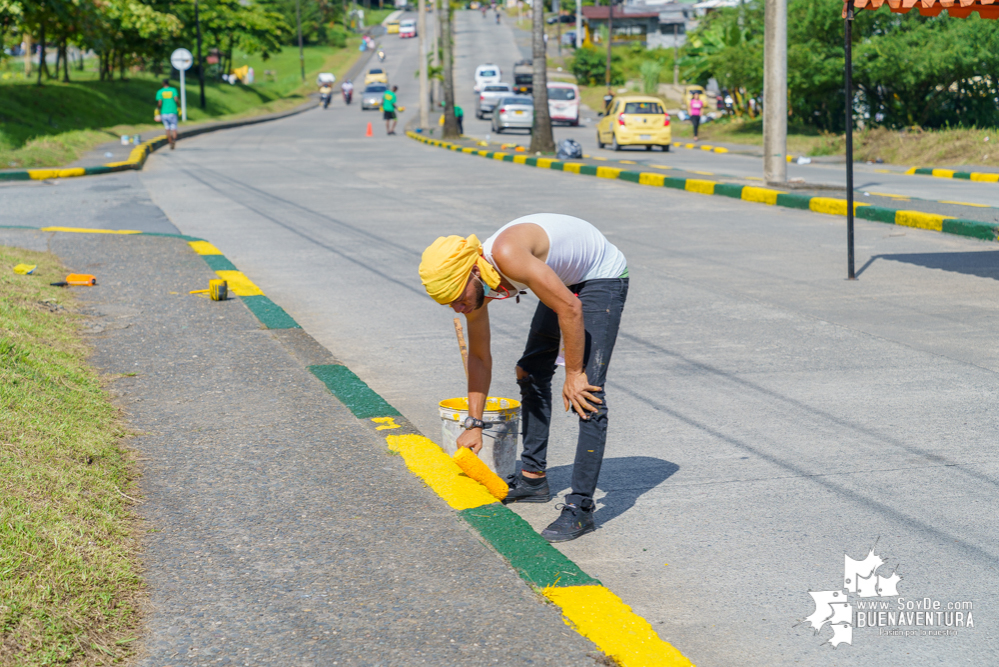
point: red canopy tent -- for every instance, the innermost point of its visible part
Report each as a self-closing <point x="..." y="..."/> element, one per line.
<point x="959" y="9"/>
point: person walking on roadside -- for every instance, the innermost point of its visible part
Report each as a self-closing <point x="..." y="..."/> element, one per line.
<point x="459" y="115"/>
<point x="581" y="280"/>
<point x="166" y="106"/>
<point x="696" y="104"/>
<point x="388" y="109"/>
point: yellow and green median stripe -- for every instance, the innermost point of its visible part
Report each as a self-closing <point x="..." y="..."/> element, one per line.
<point x="980" y="176"/>
<point x="136" y="159"/>
<point x="827" y="205"/>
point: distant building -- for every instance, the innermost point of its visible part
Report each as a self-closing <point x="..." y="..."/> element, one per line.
<point x="655" y="23"/>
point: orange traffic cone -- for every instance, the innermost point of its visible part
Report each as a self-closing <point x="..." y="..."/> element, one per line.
<point x="369" y="133"/>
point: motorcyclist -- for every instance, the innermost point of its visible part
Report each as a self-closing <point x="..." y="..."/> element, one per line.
<point x="347" y="88"/>
<point x="325" y="94"/>
<point x="381" y="55"/>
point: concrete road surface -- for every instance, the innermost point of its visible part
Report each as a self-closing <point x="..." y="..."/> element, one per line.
<point x="768" y="416"/>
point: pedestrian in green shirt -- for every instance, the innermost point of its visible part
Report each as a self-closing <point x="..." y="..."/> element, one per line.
<point x="459" y="115"/>
<point x="388" y="109"/>
<point x="166" y="106"/>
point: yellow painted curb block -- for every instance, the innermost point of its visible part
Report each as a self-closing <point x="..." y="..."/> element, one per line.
<point x="603" y="618"/>
<point x="572" y="167"/>
<point x="520" y="159"/>
<point x="429" y="462"/>
<point x="921" y="220"/>
<point x="499" y="156"/>
<point x="831" y="206"/>
<point x="943" y="173"/>
<point x="984" y="178"/>
<point x="700" y="186"/>
<point x="43" y="174"/>
<point x="760" y="195"/>
<point x="239" y="284"/>
<point x="649" y="178"/>
<point x="608" y="172"/>
<point x="204" y="248"/>
<point x="544" y="163"/>
<point x="83" y="230"/>
<point x="721" y="149"/>
<point x="911" y="171"/>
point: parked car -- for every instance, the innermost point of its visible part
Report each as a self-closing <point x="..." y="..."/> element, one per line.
<point x="376" y="75"/>
<point x="635" y="120"/>
<point x="563" y="102"/>
<point x="392" y="28"/>
<point x="515" y="112"/>
<point x="564" y="18"/>
<point x="569" y="38"/>
<point x="371" y="98"/>
<point x="490" y="94"/>
<point x="487" y="73"/>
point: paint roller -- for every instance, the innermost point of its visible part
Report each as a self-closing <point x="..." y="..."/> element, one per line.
<point x="465" y="458"/>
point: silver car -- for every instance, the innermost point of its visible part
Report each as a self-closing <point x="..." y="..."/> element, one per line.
<point x="372" y="96"/>
<point x="514" y="113"/>
<point x="490" y="94"/>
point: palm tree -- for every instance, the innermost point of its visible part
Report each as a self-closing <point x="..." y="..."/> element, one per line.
<point x="542" y="140"/>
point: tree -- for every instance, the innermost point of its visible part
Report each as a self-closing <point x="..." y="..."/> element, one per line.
<point x="542" y="140"/>
<point x="447" y="63"/>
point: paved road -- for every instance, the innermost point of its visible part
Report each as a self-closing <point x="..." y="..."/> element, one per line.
<point x="480" y="41"/>
<point x="768" y="416"/>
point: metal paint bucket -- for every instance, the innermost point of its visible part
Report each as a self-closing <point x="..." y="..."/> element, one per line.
<point x="499" y="441"/>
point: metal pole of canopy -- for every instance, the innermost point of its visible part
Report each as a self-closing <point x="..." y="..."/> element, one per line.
<point x="848" y="79"/>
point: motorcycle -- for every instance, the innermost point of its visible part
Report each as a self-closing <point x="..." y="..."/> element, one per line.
<point x="325" y="98"/>
<point x="381" y="56"/>
<point x="347" y="95"/>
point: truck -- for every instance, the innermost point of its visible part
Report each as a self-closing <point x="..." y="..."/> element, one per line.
<point x="523" y="77"/>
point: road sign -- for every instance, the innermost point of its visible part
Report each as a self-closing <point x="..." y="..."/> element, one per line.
<point x="182" y="60"/>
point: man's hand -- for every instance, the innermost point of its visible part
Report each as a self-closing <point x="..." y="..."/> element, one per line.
<point x="472" y="438"/>
<point x="576" y="394"/>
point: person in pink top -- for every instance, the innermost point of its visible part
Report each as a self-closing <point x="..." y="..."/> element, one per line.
<point x="696" y="104"/>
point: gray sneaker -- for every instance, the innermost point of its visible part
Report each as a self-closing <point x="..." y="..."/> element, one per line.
<point x="521" y="491"/>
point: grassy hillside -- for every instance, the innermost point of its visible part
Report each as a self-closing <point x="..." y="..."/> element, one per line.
<point x="53" y="124"/>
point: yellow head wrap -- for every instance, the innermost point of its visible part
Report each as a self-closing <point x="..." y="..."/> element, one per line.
<point x="447" y="263"/>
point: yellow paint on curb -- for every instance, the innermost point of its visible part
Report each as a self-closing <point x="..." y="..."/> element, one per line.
<point x="965" y="203"/>
<point x="520" y="159"/>
<point x="943" y="173"/>
<point x="721" y="149"/>
<point x="572" y="167"/>
<point x="921" y="220"/>
<point x="429" y="462"/>
<point x="699" y="186"/>
<point x="911" y="171"/>
<point x="204" y="248"/>
<point x="603" y="618"/>
<point x="239" y="284"/>
<point x="84" y="230"/>
<point x="760" y="195"/>
<point x="500" y="156"/>
<point x="608" y="172"/>
<point x="43" y="174"/>
<point x="386" y="423"/>
<point x="472" y="150"/>
<point x="711" y="148"/>
<point x="545" y="163"/>
<point x="831" y="206"/>
<point x="648" y="178"/>
<point x="984" y="178"/>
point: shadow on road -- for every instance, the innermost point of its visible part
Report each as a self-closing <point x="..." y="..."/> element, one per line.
<point x="622" y="479"/>
<point x="984" y="264"/>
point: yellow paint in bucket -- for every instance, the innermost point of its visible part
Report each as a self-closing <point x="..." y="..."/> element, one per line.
<point x="499" y="442"/>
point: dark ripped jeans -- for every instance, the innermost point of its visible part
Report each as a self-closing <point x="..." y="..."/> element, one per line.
<point x="603" y="301"/>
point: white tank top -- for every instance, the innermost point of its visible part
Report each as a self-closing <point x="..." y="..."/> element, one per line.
<point x="577" y="251"/>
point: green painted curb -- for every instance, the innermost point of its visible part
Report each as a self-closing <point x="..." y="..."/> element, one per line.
<point x="219" y="263"/>
<point x="269" y="313"/>
<point x="535" y="560"/>
<point x="15" y="176"/>
<point x="351" y="390"/>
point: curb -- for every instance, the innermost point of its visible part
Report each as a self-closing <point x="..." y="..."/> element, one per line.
<point x="588" y="607"/>
<point x="137" y="158"/>
<point x="980" y="176"/>
<point x="828" y="205"/>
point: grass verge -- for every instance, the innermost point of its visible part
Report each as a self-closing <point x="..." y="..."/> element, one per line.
<point x="69" y="577"/>
<point x="54" y="124"/>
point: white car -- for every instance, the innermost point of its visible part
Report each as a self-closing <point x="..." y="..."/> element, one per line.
<point x="407" y="28"/>
<point x="563" y="102"/>
<point x="487" y="73"/>
<point x="515" y="112"/>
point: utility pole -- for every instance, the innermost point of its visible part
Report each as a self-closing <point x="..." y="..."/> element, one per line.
<point x="201" y="66"/>
<point x="775" y="92"/>
<point x="301" y="52"/>
<point x="579" y="24"/>
<point x="557" y="8"/>
<point x="851" y="273"/>
<point x="676" y="56"/>
<point x="421" y="28"/>
<point x="610" y="40"/>
<point x="436" y="86"/>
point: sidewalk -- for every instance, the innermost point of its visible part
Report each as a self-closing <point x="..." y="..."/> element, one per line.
<point x="279" y="529"/>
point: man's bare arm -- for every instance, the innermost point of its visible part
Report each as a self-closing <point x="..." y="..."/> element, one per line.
<point x="480" y="373"/>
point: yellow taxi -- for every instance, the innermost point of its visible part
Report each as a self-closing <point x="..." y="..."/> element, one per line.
<point x="376" y="75"/>
<point x="392" y="27"/>
<point x="635" y="120"/>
